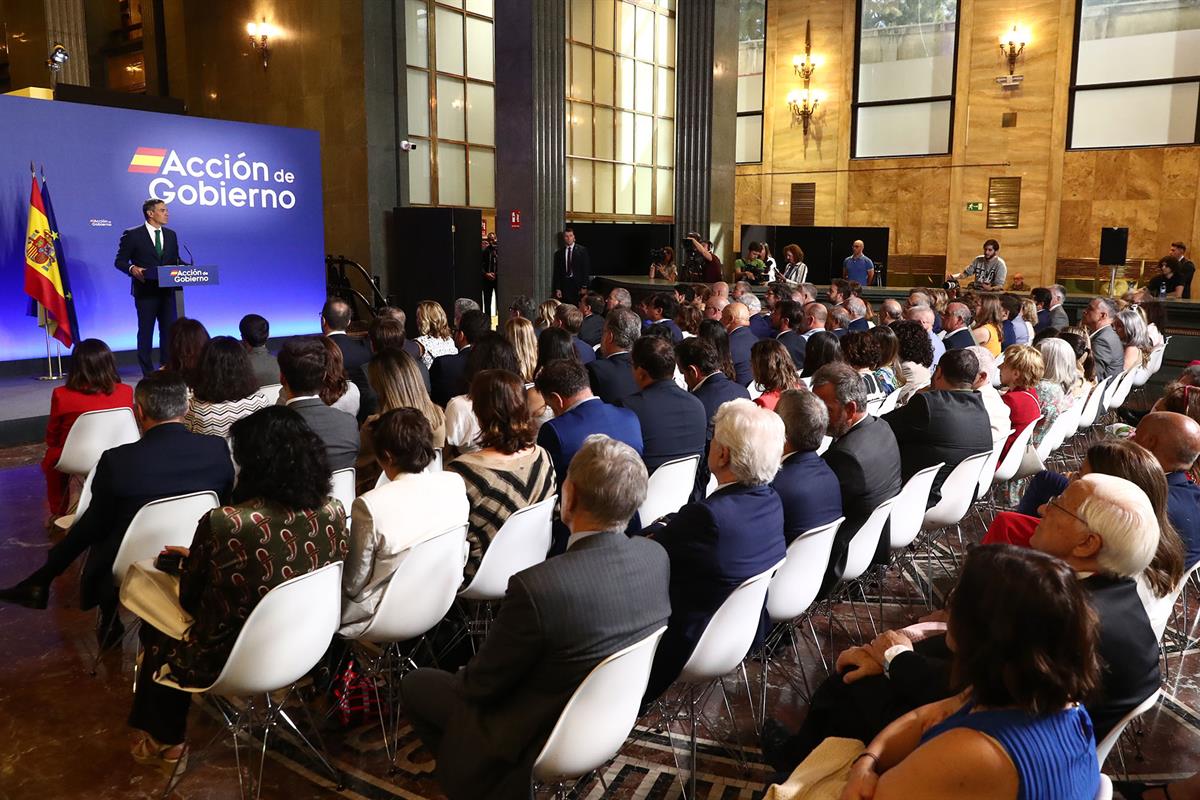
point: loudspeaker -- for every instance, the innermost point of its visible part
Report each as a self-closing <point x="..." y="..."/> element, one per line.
<point x="1113" y="244"/>
<point x="441" y="257"/>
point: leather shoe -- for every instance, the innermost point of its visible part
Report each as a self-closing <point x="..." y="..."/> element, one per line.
<point x="30" y="594"/>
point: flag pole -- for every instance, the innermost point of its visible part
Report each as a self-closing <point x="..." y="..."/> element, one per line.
<point x="49" y="376"/>
<point x="58" y="358"/>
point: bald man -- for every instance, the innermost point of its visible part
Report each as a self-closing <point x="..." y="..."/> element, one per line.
<point x="857" y="267"/>
<point x="721" y="289"/>
<point x="815" y="316"/>
<point x="890" y="311"/>
<point x="736" y="319"/>
<point x="1174" y="439"/>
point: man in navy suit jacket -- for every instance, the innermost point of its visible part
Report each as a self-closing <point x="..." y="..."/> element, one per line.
<point x="788" y="317"/>
<point x="673" y="422"/>
<point x="957" y="322"/>
<point x="760" y="321"/>
<point x="661" y="310"/>
<point x="167" y="461"/>
<point x="611" y="377"/>
<point x="838" y="321"/>
<point x="570" y="318"/>
<point x="736" y="319"/>
<point x="701" y="369"/>
<point x="715" y="545"/>
<point x="141" y="250"/>
<point x="806" y="485"/>
<point x="857" y="310"/>
<point x="448" y="375"/>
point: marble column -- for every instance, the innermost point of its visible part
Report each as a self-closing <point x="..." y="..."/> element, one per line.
<point x="67" y="25"/>
<point x="530" y="142"/>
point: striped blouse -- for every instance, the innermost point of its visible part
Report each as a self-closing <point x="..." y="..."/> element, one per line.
<point x="215" y="419"/>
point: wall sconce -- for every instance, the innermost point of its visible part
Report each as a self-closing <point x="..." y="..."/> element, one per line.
<point x="263" y="32"/>
<point x="1012" y="45"/>
<point x="805" y="65"/>
<point x="803" y="106"/>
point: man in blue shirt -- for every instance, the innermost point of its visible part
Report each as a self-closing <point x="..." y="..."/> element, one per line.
<point x="858" y="267"/>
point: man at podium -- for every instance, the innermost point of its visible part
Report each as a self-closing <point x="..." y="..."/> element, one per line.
<point x="143" y="248"/>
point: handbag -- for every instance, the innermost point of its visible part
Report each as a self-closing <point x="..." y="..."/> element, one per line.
<point x="356" y="696"/>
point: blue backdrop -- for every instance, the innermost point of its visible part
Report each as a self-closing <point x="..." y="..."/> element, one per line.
<point x="246" y="198"/>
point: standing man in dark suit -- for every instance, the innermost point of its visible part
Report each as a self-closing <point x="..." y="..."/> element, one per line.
<point x="491" y="269"/>
<point x="302" y="364"/>
<point x="572" y="269"/>
<point x="732" y="535"/>
<point x="612" y="376"/>
<point x="947" y="424"/>
<point x="805" y="484"/>
<point x="1106" y="345"/>
<point x="957" y="325"/>
<point x="142" y="249"/>
<point x="736" y="319"/>
<point x="787" y="317"/>
<point x="167" y="461"/>
<point x="559" y="619"/>
<point x="448" y="375"/>
<point x="673" y="422"/>
<point x="864" y="456"/>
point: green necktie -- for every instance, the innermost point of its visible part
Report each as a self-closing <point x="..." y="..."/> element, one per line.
<point x="158" y="241"/>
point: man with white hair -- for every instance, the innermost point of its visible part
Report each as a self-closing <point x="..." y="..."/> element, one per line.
<point x="924" y="315"/>
<point x="760" y="320"/>
<point x="997" y="409"/>
<point x="1106" y="345"/>
<point x="808" y="293"/>
<point x="805" y="484"/>
<point x="857" y="309"/>
<point x="461" y="306"/>
<point x="732" y="535"/>
<point x="720" y="289"/>
<point x="890" y="311"/>
<point x="618" y="298"/>
<point x="958" y="327"/>
<point x="740" y="288"/>
<point x="714" y="307"/>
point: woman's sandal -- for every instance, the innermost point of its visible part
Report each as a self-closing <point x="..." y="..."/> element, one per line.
<point x="1136" y="790"/>
<point x="149" y="752"/>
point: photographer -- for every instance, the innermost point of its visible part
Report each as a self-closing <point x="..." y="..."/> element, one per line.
<point x="662" y="264"/>
<point x="701" y="262"/>
<point x="752" y="268"/>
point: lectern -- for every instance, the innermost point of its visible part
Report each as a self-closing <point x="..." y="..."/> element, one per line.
<point x="181" y="276"/>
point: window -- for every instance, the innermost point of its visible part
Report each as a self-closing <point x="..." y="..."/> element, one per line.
<point x="904" y="91"/>
<point x="1136" y="79"/>
<point x="752" y="55"/>
<point x="451" y="91"/>
<point x="620" y="109"/>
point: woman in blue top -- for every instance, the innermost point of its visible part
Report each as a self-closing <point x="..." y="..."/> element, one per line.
<point x="1024" y="641"/>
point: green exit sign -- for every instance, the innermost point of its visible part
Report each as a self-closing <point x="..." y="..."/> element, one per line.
<point x="974" y="206"/>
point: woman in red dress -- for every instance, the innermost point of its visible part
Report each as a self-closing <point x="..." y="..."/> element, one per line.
<point x="1020" y="372"/>
<point x="92" y="385"/>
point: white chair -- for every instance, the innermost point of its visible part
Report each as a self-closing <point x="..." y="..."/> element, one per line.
<point x="1105" y="792"/>
<point x="958" y="492"/>
<point x="1066" y="422"/>
<point x="669" y="488"/>
<point x="599" y="716"/>
<point x="755" y="389"/>
<point x="1113" y="396"/>
<point x="889" y="403"/>
<point x="712" y="485"/>
<point x="1010" y="464"/>
<point x="342" y="487"/>
<point x="522" y="541"/>
<point x="92" y="434"/>
<point x="825" y="442"/>
<point x="874" y="404"/>
<point x="1108" y="742"/>
<point x="85" y="499"/>
<point x="271" y="392"/>
<point x="988" y="475"/>
<point x="908" y="507"/>
<point x="167" y="521"/>
<point x="433" y="466"/>
<point x="284" y="637"/>
<point x="1091" y="409"/>
<point x="860" y="553"/>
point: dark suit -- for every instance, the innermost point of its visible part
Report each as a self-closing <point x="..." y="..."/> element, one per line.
<point x="716" y="390"/>
<point x="1183" y="507"/>
<point x="669" y="324"/>
<point x="866" y="461"/>
<point x="938" y="426"/>
<point x="714" y="546"/>
<point x="586" y="354"/>
<point x="265" y="365"/>
<point x="152" y="303"/>
<point x="674" y="423"/>
<point x="569" y="279"/>
<point x="741" y="340"/>
<point x="795" y="344"/>
<point x="336" y="429"/>
<point x="167" y="461"/>
<point x="562" y="436"/>
<point x="611" y="377"/>
<point x="592" y="329"/>
<point x="858" y="325"/>
<point x="809" y="492"/>
<point x="1108" y="352"/>
<point x="356" y="352"/>
<point x="1043" y="320"/>
<point x="448" y="376"/>
<point x="760" y="326"/>
<point x="959" y="340"/>
<point x="839" y="332"/>
<point x="559" y="619"/>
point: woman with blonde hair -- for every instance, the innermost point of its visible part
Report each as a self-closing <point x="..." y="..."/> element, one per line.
<point x="433" y="332"/>
<point x="1020" y="372"/>
<point x="1028" y="316"/>
<point x="988" y="319"/>
<point x="396" y="378"/>
<point x="545" y="315"/>
<point x="519" y="333"/>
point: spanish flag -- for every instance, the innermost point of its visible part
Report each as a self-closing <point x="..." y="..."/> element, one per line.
<point x="43" y="275"/>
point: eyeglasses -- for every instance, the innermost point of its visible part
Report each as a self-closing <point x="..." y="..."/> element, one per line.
<point x="1056" y="504"/>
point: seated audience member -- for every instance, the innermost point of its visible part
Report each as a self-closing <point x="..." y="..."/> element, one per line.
<point x="660" y="310"/>
<point x="1017" y="729"/>
<point x="837" y="321"/>
<point x="302" y="366"/>
<point x="925" y="316"/>
<point x="713" y="332"/>
<point x="821" y="349"/>
<point x="887" y="368"/>
<point x="987" y="328"/>
<point x="701" y="368"/>
<point x="491" y="351"/>
<point x="787" y="317"/>
<point x="93" y="384"/>
<point x="684" y="294"/>
<point x="569" y="318"/>
<point x="592" y="327"/>
<point x="861" y="351"/>
<point x="998" y="415"/>
<point x="864" y="456"/>
<point x="673" y="422"/>
<point x="1155" y="314"/>
<point x="760" y="319"/>
<point x="1020" y="372"/>
<point x="448" y="375"/>
<point x="486" y="724"/>
<point x="255" y="332"/>
<point x="958" y="327"/>
<point x="545" y="314"/>
<point x="433" y="332"/>
<point x="185" y="344"/>
<point x="1174" y="439"/>
<point x="524" y="307"/>
<point x="612" y="375"/>
<point x="1131" y="330"/>
<point x="856" y="307"/>
<point x="688" y="319"/>
<point x="889" y="311"/>
<point x="225" y="389"/>
<point x="519" y="333"/>
<point x="167" y="461"/>
<point x="356" y="352"/>
<point x="618" y="298"/>
<point x="412" y="507"/>
<point x="732" y="535"/>
<point x="1014" y="330"/>
<point x="283" y="486"/>
<point x="714" y="307"/>
<point x="736" y="319"/>
<point x="916" y="358"/>
<point x="773" y="371"/>
<point x="1104" y="528"/>
<point x="578" y="414"/>
<point x="397" y="382"/>
<point x="508" y="471"/>
<point x="947" y="424"/>
<point x="461" y="306"/>
<point x="1055" y="390"/>
<point x="806" y="486"/>
<point x="1107" y="347"/>
<point x="388" y="330"/>
<point x="337" y="391"/>
<point x="1085" y="365"/>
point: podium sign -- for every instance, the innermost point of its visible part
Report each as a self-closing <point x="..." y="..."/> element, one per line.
<point x="181" y="276"/>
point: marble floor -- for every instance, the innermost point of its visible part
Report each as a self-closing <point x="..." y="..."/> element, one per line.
<point x="63" y="732"/>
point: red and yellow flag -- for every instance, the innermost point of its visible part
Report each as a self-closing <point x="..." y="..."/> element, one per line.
<point x="43" y="275"/>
